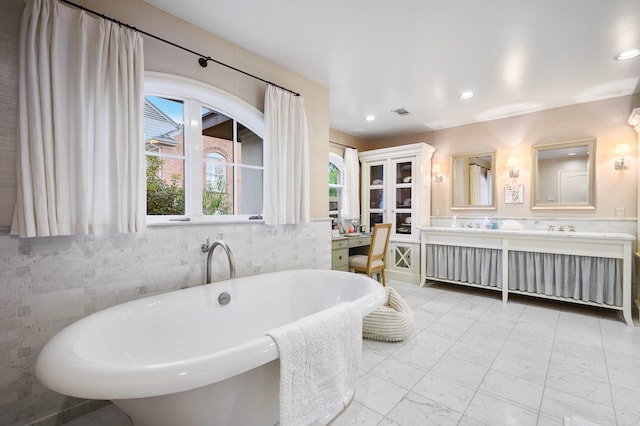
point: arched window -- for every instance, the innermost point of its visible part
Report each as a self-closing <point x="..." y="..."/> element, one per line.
<point x="336" y="186"/>
<point x="204" y="150"/>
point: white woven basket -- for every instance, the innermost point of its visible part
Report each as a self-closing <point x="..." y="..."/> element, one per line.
<point x="391" y="322"/>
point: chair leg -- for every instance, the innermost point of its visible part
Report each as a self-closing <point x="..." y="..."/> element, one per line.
<point x="384" y="282"/>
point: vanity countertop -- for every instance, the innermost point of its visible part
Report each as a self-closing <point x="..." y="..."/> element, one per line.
<point x="533" y="233"/>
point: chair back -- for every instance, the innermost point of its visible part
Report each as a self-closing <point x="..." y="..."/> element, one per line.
<point x="379" y="241"/>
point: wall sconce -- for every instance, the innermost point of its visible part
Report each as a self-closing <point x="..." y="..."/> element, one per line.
<point x="438" y="171"/>
<point x="622" y="150"/>
<point x="512" y="163"/>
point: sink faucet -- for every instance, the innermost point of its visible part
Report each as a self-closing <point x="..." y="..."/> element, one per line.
<point x="210" y="248"/>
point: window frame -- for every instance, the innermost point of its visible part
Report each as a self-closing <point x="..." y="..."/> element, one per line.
<point x="195" y="94"/>
<point x="338" y="163"/>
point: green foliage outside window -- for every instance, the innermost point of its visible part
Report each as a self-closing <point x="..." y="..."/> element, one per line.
<point x="333" y="179"/>
<point x="333" y="174"/>
<point x="215" y="198"/>
<point x="168" y="198"/>
<point x="163" y="198"/>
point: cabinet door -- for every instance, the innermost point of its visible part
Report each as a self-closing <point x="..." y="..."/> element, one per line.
<point x="375" y="179"/>
<point x="403" y="257"/>
<point x="403" y="193"/>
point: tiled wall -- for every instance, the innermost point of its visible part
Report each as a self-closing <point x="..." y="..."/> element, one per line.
<point x="628" y="225"/>
<point x="48" y="283"/>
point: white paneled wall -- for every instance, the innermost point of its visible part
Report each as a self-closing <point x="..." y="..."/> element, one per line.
<point x="48" y="283"/>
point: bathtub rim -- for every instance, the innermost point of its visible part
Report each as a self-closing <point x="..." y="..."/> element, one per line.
<point x="76" y="376"/>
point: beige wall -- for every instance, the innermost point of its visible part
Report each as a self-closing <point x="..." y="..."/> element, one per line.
<point x="165" y="58"/>
<point x="338" y="141"/>
<point x="604" y="120"/>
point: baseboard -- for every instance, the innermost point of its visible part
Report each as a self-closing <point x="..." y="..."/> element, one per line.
<point x="390" y="274"/>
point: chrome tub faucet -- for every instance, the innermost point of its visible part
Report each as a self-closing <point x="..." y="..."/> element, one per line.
<point x="206" y="248"/>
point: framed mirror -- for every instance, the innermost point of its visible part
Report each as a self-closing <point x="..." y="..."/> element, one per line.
<point x="563" y="175"/>
<point x="473" y="182"/>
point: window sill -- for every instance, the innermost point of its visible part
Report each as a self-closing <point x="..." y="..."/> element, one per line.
<point x="218" y="220"/>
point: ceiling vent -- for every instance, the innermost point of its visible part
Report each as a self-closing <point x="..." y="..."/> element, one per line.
<point x="401" y="112"/>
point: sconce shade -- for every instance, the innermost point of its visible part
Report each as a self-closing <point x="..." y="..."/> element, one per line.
<point x="435" y="168"/>
<point x="622" y="149"/>
<point x="512" y="163"/>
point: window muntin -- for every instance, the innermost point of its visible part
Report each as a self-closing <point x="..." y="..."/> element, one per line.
<point x="243" y="169"/>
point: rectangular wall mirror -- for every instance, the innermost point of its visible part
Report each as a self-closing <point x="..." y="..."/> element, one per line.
<point x="563" y="175"/>
<point x="473" y="182"/>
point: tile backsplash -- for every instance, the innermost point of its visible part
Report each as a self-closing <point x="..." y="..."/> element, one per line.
<point x="49" y="283"/>
<point x="628" y="225"/>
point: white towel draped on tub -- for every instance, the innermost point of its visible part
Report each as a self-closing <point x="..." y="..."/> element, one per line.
<point x="319" y="362"/>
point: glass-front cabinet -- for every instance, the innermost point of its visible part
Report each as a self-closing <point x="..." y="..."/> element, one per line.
<point x="403" y="195"/>
<point x="396" y="189"/>
<point x="376" y="193"/>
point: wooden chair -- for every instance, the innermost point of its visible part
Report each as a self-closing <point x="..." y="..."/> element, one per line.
<point x="375" y="261"/>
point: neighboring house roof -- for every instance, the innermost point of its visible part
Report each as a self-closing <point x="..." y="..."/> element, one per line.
<point x="159" y="127"/>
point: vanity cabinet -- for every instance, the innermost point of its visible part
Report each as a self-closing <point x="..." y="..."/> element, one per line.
<point x="396" y="189"/>
<point x="588" y="268"/>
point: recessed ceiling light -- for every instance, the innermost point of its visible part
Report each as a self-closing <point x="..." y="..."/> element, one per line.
<point x="628" y="54"/>
<point x="571" y="153"/>
<point x="370" y="117"/>
<point x="466" y="95"/>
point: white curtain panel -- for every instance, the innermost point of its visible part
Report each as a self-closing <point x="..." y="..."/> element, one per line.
<point x="488" y="191"/>
<point x="475" y="178"/>
<point x="80" y="125"/>
<point x="286" y="163"/>
<point x="351" y="197"/>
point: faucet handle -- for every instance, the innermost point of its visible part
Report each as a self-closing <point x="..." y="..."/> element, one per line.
<point x="205" y="247"/>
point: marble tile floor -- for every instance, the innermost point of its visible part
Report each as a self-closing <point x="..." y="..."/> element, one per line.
<point x="472" y="360"/>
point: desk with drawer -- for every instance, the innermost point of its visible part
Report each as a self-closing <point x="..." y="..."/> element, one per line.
<point x="342" y="247"/>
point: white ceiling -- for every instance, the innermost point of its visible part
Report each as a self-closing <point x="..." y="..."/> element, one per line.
<point x="376" y="56"/>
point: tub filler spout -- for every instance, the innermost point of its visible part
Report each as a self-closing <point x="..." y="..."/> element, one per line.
<point x="227" y="250"/>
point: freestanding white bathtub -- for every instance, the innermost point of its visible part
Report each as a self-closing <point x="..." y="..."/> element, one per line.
<point x="182" y="358"/>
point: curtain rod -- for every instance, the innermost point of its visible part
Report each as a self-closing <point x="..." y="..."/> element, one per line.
<point x="341" y="144"/>
<point x="479" y="165"/>
<point x="202" y="60"/>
